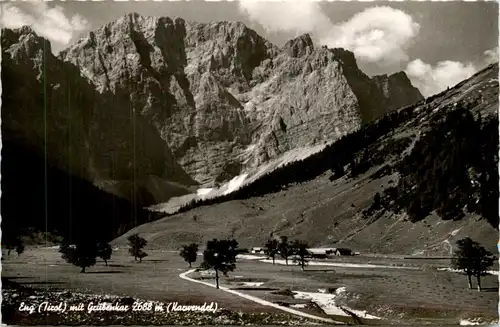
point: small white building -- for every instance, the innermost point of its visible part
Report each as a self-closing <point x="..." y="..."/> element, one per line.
<point x="321" y="253"/>
<point x="257" y="250"/>
<point x="322" y="250"/>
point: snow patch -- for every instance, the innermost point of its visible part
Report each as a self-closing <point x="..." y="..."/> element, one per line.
<point x="340" y="290"/>
<point x="339" y="264"/>
<point x="203" y="191"/>
<point x="491" y="272"/>
<point x="473" y="322"/>
<point x="173" y="204"/>
<point x="235" y="183"/>
<point x="250" y="257"/>
<point x="253" y="284"/>
<point x="455" y="232"/>
<point x="327" y="303"/>
<point x="207" y="273"/>
<point x="465" y="322"/>
<point x="256" y="299"/>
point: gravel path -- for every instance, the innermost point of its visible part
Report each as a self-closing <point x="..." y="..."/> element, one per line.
<point x="257" y="300"/>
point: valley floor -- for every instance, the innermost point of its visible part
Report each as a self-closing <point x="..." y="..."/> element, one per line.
<point x="411" y="292"/>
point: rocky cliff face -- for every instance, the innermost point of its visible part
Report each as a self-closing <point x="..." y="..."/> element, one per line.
<point x="182" y="101"/>
<point x="397" y="90"/>
<point x="96" y="136"/>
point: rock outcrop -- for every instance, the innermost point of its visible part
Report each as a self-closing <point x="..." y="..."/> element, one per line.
<point x="397" y="90"/>
<point x="300" y="46"/>
<point x="183" y="102"/>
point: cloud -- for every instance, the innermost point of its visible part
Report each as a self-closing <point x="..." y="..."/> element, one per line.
<point x="491" y="56"/>
<point x="380" y="35"/>
<point x="377" y="34"/>
<point x="50" y="22"/>
<point x="289" y="16"/>
<point x="434" y="79"/>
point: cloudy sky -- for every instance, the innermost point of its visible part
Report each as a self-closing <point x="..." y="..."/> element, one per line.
<point x="438" y="44"/>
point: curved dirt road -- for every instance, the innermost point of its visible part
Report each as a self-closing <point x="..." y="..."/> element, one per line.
<point x="257" y="300"/>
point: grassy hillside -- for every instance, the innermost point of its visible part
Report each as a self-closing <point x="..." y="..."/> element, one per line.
<point x="433" y="165"/>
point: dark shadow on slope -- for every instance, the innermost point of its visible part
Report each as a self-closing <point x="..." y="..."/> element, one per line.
<point x="452" y="169"/>
<point x="96" y="136"/>
<point x="59" y="133"/>
<point x="56" y="201"/>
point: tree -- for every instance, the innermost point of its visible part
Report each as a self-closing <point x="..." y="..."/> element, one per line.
<point x="220" y="255"/>
<point x="284" y="248"/>
<point x="20" y="248"/>
<point x="376" y="201"/>
<point x="271" y="248"/>
<point x="337" y="170"/>
<point x="104" y="252"/>
<point x="137" y="243"/>
<point x="67" y="251"/>
<point x="473" y="259"/>
<point x="299" y="249"/>
<point x="13" y="242"/>
<point x="82" y="254"/>
<point x="189" y="253"/>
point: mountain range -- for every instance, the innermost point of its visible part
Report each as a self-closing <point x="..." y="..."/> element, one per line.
<point x="155" y="100"/>
<point x="413" y="182"/>
<point x="147" y="110"/>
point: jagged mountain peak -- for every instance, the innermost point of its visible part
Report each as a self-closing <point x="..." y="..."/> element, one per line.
<point x="396" y="76"/>
<point x="400" y="76"/>
<point x="165" y="45"/>
<point x="24" y="41"/>
<point x="299" y="46"/>
<point x="228" y="30"/>
<point x="227" y="27"/>
<point x="397" y="89"/>
<point x="26" y="29"/>
<point x="346" y="57"/>
<point x="136" y="18"/>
